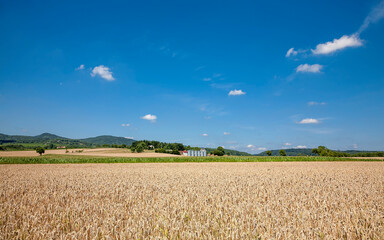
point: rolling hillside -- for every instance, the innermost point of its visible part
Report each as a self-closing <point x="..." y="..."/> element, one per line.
<point x="107" y="139"/>
<point x="51" y="141"/>
<point x="305" y="152"/>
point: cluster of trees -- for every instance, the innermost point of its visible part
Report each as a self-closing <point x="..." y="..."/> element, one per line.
<point x="218" y="152"/>
<point x="323" y="151"/>
<point x="163" y="150"/>
<point x="12" y="147"/>
<point x="152" y="145"/>
<point x="114" y="146"/>
<point x="139" y="147"/>
<point x="160" y="147"/>
<point x="368" y="154"/>
<point x="281" y="152"/>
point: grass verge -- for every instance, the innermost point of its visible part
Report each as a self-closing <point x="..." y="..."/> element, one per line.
<point x="53" y="159"/>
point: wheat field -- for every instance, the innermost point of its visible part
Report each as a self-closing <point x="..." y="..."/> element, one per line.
<point x="285" y="200"/>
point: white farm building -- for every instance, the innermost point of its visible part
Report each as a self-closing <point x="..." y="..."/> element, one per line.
<point x="197" y="153"/>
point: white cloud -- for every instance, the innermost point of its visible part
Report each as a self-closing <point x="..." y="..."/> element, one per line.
<point x="236" y="92"/>
<point x="315" y="68"/>
<point x="227" y="133"/>
<point x="149" y="117"/>
<point x="103" y="72"/>
<point x="128" y="137"/>
<point x="207" y="79"/>
<point x="81" y="67"/>
<point x="312" y="103"/>
<point x="354" y="146"/>
<point x="125" y="125"/>
<point x="287" y="144"/>
<point x="301" y="146"/>
<point x="374" y="16"/>
<point x="204" y="135"/>
<point x="254" y="148"/>
<point x="338" y="44"/>
<point x="292" y="52"/>
<point x="309" y="121"/>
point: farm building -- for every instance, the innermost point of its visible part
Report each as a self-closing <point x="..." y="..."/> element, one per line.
<point x="197" y="153"/>
<point x="184" y="153"/>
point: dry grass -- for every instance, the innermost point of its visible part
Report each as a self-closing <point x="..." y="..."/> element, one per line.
<point x="193" y="201"/>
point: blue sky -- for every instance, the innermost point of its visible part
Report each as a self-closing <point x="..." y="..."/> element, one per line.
<point x="246" y="75"/>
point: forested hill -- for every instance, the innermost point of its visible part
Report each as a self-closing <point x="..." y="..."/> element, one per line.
<point x="107" y="139"/>
<point x="307" y="152"/>
<point x="52" y="141"/>
<point x="290" y="152"/>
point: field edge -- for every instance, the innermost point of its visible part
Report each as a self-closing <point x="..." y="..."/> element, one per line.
<point x="65" y="159"/>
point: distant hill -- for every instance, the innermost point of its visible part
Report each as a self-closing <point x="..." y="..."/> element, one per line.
<point x="107" y="139"/>
<point x="48" y="136"/>
<point x="51" y="141"/>
<point x="305" y="152"/>
<point x="20" y="138"/>
<point x="290" y="152"/>
<point x="46" y="140"/>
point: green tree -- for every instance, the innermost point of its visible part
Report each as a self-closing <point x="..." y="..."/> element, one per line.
<point x="269" y="153"/>
<point x="141" y="147"/>
<point x="175" y="151"/>
<point x="40" y="150"/>
<point x="219" y="151"/>
<point x="315" y="151"/>
<point x="282" y="152"/>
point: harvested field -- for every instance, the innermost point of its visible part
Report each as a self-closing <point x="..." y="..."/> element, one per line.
<point x="98" y="152"/>
<point x="285" y="200"/>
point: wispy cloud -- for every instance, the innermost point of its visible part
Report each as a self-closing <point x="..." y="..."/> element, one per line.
<point x="346" y="41"/>
<point x="315" y="68"/>
<point x="313" y="103"/>
<point x="207" y="79"/>
<point x="212" y="109"/>
<point x="287" y="144"/>
<point x="309" y="121"/>
<point x="291" y="52"/>
<point x="128" y="137"/>
<point x="300" y="147"/>
<point x="338" y="44"/>
<point x="227" y="133"/>
<point x="254" y="148"/>
<point x="103" y="72"/>
<point x="149" y="117"/>
<point x="81" y="67"/>
<point x="199" y="68"/>
<point x="125" y="125"/>
<point x="374" y="16"/>
<point x="236" y="92"/>
<point x="204" y="134"/>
